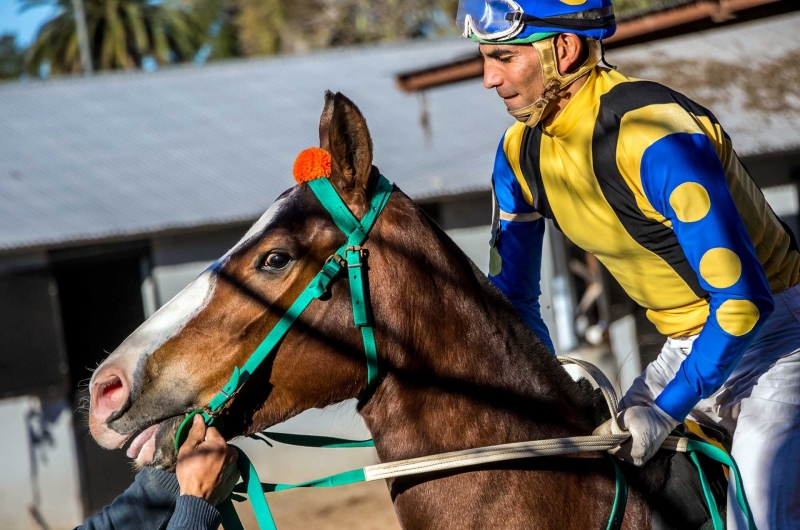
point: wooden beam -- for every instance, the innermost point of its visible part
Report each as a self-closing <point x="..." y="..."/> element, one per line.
<point x="462" y="69"/>
<point x="698" y="16"/>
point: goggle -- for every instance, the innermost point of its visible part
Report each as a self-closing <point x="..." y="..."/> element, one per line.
<point x="497" y="20"/>
<point x="489" y="19"/>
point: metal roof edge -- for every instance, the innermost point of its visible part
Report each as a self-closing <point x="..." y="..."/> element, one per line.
<point x="233" y="63"/>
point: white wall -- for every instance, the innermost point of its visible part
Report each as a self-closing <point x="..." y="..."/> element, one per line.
<point x="40" y="473"/>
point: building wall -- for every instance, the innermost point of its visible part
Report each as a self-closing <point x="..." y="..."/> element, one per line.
<point x="39" y="486"/>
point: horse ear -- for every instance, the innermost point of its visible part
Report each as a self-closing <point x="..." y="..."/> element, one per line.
<point x="325" y="121"/>
<point x="349" y="144"/>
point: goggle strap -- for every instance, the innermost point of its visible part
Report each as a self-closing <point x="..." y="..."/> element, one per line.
<point x="562" y="22"/>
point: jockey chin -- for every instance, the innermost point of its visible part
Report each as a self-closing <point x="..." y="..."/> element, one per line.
<point x="648" y="181"/>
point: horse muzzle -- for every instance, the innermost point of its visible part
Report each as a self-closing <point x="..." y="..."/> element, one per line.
<point x="109" y="392"/>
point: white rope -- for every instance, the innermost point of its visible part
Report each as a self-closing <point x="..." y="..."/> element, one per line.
<point x="494" y="453"/>
<point x="605" y="386"/>
<point x="512" y="451"/>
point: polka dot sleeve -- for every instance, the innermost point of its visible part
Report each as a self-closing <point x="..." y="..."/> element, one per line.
<point x="684" y="180"/>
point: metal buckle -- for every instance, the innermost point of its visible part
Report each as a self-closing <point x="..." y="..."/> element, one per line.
<point x="362" y="253"/>
<point x="338" y="259"/>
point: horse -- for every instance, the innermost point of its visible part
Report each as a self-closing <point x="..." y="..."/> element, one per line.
<point x="458" y="368"/>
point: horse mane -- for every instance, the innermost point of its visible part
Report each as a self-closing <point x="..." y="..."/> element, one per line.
<point x="533" y="380"/>
<point x="583" y="393"/>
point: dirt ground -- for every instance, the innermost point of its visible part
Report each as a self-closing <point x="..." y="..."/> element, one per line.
<point x="364" y="506"/>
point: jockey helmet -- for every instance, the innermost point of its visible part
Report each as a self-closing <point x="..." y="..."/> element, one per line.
<point x="526" y="21"/>
<point x="537" y="22"/>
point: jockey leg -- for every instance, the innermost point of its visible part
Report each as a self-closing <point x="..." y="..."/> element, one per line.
<point x="766" y="447"/>
<point x="759" y="407"/>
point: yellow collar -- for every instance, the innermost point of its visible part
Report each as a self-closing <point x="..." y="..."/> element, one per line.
<point x="576" y="109"/>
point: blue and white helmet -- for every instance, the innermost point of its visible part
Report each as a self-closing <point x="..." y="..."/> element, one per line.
<point x="527" y="21"/>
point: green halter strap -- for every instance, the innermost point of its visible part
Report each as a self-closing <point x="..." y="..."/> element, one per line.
<point x="357" y="233"/>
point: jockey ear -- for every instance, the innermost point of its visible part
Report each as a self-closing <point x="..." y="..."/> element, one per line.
<point x="349" y="144"/>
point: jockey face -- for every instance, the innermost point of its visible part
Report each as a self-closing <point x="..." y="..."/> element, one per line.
<point x="515" y="71"/>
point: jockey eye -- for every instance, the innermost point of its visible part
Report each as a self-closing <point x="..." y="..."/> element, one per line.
<point x="275" y="261"/>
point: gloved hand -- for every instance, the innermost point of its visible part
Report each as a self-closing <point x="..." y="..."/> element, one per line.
<point x="649" y="427"/>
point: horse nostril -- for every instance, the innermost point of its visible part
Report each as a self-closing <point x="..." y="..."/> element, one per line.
<point x="109" y="395"/>
<point x="111" y="389"/>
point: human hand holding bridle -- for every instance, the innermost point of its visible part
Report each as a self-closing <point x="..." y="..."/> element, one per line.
<point x="206" y="464"/>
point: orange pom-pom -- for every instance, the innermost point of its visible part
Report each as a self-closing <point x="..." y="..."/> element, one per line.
<point x="311" y="164"/>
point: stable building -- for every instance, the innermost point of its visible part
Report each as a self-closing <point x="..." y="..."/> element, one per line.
<point x="117" y="190"/>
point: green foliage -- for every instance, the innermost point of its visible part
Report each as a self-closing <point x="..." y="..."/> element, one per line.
<point x="12" y="59"/>
<point x="124" y="32"/>
<point x="265" y="27"/>
<point x="121" y="34"/>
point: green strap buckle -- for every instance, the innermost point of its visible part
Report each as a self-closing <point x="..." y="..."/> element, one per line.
<point x="358" y="289"/>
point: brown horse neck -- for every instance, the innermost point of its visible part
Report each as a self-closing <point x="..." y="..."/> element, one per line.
<point x="461" y="368"/>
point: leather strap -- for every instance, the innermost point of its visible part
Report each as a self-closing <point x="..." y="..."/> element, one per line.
<point x="554" y="82"/>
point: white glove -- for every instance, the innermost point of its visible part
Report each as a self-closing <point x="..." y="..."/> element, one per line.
<point x="649" y="427"/>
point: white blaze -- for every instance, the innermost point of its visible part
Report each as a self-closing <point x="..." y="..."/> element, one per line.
<point x="168" y="321"/>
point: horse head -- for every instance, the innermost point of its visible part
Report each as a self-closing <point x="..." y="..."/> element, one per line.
<point x="182" y="356"/>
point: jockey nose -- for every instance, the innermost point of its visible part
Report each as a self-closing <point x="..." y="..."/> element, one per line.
<point x="109" y="391"/>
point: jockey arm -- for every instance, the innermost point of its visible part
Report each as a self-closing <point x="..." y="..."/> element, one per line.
<point x="516" y="250"/>
<point x="683" y="178"/>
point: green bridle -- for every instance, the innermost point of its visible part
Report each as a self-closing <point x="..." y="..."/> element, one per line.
<point x="350" y="257"/>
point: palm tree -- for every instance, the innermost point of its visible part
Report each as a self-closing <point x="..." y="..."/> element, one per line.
<point x="12" y="61"/>
<point x="264" y="27"/>
<point x="122" y="33"/>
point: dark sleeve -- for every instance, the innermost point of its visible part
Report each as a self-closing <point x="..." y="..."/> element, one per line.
<point x="147" y="504"/>
<point x="193" y="513"/>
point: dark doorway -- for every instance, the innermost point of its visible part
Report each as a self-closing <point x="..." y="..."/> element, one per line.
<point x="33" y="359"/>
<point x="101" y="304"/>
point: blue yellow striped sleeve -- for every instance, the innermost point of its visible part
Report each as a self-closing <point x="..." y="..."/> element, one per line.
<point x="684" y="180"/>
<point x="516" y="249"/>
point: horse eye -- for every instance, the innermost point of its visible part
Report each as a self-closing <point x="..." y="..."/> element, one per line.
<point x="276" y="261"/>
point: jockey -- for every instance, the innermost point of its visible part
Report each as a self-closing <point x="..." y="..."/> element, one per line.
<point x="647" y="180"/>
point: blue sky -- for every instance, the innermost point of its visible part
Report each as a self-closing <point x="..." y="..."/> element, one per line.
<point x="23" y="25"/>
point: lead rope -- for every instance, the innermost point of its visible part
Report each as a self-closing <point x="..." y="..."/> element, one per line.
<point x="353" y="261"/>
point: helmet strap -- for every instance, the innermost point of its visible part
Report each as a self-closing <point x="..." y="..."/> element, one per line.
<point x="554" y="82"/>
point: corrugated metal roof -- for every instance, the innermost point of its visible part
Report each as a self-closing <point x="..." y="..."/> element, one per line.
<point x="747" y="75"/>
<point x="121" y="155"/>
<point x="125" y="154"/>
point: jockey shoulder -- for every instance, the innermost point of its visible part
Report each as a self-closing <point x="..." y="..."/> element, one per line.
<point x="637" y="174"/>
